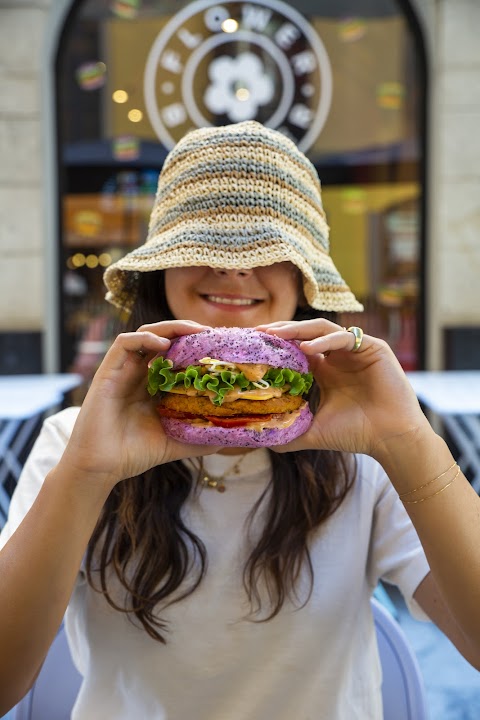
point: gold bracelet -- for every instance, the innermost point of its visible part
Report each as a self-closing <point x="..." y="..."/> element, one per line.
<point x="414" y="502"/>
<point x="410" y="492"/>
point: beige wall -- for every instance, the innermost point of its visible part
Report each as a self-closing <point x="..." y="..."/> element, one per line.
<point x="458" y="163"/>
<point x="451" y="28"/>
<point x="22" y="241"/>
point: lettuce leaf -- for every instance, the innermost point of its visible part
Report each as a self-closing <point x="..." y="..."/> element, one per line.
<point x="299" y="383"/>
<point x="162" y="378"/>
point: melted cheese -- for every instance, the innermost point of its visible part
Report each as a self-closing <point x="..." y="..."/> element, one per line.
<point x="257" y="394"/>
<point x="186" y="391"/>
<point x="236" y="394"/>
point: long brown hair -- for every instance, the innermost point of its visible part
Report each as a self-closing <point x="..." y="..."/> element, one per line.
<point x="142" y="539"/>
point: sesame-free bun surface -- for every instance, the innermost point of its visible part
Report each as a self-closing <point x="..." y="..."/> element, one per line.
<point x="243" y="345"/>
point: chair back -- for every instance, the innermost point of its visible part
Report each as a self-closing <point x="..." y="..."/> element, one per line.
<point x="403" y="691"/>
<point x="55" y="690"/>
<point x="56" y="687"/>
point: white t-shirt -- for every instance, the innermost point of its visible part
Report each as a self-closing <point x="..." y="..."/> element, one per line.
<point x="315" y="663"/>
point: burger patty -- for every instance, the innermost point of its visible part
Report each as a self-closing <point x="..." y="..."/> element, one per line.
<point x="203" y="406"/>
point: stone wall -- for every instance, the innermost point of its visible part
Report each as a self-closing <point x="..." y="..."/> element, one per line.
<point x="458" y="163"/>
<point x="22" y="241"/>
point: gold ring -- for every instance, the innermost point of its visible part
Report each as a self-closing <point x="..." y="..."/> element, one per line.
<point x="141" y="353"/>
<point x="358" y="334"/>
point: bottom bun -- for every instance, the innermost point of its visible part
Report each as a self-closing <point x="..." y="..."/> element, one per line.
<point x="237" y="437"/>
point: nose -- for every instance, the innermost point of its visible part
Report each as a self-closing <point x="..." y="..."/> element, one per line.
<point x="234" y="272"/>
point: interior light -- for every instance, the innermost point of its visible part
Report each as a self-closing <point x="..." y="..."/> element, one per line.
<point x="91" y="261"/>
<point x="105" y="259"/>
<point x="120" y="96"/>
<point x="229" y="25"/>
<point x="242" y="94"/>
<point x="78" y="260"/>
<point x="135" y="115"/>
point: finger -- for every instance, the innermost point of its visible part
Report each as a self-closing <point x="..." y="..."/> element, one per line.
<point x="268" y="326"/>
<point x="303" y="330"/>
<point x="182" y="451"/>
<point x="316" y="329"/>
<point x="340" y="340"/>
<point x="134" y="345"/>
<point x="173" y="328"/>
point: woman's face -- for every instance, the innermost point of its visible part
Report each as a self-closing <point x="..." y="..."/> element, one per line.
<point x="241" y="298"/>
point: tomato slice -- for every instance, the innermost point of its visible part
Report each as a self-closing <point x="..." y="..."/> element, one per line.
<point x="226" y="422"/>
<point x="236" y="420"/>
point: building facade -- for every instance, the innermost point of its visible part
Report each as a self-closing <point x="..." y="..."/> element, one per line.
<point x="30" y="313"/>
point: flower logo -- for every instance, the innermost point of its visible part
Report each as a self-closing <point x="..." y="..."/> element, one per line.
<point x="254" y="60"/>
<point x="239" y="85"/>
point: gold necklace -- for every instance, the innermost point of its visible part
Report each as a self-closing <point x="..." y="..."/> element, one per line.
<point x="217" y="482"/>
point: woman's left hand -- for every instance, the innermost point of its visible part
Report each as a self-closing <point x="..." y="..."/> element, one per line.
<point x="365" y="397"/>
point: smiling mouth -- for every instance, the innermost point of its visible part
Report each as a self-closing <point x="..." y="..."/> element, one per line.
<point x="221" y="299"/>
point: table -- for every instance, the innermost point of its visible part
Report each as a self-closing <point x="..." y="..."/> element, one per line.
<point x="454" y="395"/>
<point x="24" y="399"/>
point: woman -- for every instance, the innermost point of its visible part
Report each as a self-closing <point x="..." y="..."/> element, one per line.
<point x="254" y="603"/>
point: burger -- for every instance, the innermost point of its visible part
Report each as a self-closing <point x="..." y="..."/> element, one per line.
<point x="232" y="387"/>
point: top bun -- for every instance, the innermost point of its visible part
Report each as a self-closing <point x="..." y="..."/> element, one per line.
<point x="233" y="344"/>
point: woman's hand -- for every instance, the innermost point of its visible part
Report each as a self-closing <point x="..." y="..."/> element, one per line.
<point x="118" y="433"/>
<point x="365" y="397"/>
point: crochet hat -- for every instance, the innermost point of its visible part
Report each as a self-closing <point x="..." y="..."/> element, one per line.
<point x="239" y="196"/>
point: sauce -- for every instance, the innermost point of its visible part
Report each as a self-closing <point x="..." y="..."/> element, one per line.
<point x="236" y="394"/>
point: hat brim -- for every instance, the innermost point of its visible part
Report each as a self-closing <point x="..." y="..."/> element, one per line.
<point x="266" y="242"/>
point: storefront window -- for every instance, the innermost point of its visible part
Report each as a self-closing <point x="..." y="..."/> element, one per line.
<point x="345" y="79"/>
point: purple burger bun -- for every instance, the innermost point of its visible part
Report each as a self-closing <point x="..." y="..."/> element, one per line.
<point x="237" y="436"/>
<point x="243" y="345"/>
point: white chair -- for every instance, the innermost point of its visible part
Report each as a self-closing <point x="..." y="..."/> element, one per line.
<point x="54" y="692"/>
<point x="403" y="691"/>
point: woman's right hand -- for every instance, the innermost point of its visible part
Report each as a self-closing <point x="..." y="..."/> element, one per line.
<point x="366" y="401"/>
<point x="118" y="433"/>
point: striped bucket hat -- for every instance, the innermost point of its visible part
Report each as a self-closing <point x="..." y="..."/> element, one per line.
<point x="239" y="196"/>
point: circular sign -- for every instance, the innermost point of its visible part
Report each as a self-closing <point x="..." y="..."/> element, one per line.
<point x="216" y="64"/>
